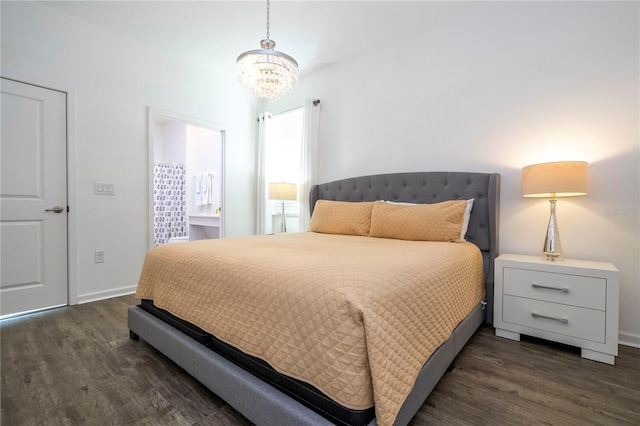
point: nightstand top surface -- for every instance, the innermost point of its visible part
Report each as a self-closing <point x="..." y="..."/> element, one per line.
<point x="568" y="263"/>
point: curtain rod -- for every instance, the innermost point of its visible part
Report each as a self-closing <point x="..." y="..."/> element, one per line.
<point x="316" y="102"/>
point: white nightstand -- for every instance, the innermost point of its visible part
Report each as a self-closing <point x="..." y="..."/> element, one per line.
<point x="568" y="301"/>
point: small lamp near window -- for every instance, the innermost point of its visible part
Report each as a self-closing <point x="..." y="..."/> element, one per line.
<point x="552" y="180"/>
<point x="284" y="192"/>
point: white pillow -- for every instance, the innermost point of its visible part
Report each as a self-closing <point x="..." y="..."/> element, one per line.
<point x="465" y="220"/>
<point x="467" y="216"/>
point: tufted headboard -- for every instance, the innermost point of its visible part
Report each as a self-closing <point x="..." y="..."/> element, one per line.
<point x="432" y="187"/>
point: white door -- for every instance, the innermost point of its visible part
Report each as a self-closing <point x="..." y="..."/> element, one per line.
<point x="33" y="198"/>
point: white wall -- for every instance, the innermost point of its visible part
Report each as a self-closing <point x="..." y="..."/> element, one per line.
<point x="492" y="89"/>
<point x="173" y="142"/>
<point x="115" y="80"/>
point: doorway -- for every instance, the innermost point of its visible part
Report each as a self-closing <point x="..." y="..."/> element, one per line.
<point x="186" y="192"/>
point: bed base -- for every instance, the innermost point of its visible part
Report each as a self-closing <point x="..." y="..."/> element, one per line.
<point x="260" y="402"/>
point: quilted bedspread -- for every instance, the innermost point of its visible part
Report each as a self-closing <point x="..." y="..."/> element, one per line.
<point x="357" y="317"/>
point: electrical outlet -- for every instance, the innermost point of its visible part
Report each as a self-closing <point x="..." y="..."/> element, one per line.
<point x="99" y="256"/>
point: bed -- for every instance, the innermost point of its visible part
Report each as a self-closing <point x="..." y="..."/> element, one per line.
<point x="352" y="323"/>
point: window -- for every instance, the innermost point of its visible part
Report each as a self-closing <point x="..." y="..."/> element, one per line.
<point x="282" y="160"/>
<point x="292" y="151"/>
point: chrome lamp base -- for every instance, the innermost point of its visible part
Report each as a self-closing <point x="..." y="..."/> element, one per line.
<point x="284" y="219"/>
<point x="552" y="248"/>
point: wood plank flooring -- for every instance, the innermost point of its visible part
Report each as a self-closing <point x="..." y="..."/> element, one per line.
<point x="77" y="366"/>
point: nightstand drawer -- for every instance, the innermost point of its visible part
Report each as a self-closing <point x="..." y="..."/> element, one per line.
<point x="587" y="324"/>
<point x="575" y="290"/>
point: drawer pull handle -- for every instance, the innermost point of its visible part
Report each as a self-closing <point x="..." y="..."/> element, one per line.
<point x="562" y="320"/>
<point x="563" y="289"/>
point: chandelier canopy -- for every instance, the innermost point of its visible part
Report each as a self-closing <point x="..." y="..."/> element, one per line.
<point x="265" y="72"/>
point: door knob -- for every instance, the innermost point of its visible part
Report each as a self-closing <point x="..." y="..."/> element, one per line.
<point x="56" y="209"/>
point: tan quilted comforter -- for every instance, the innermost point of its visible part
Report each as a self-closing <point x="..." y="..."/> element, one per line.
<point x="357" y="317"/>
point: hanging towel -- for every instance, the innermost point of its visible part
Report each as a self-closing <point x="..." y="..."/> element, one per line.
<point x="205" y="189"/>
<point x="209" y="199"/>
<point x="198" y="185"/>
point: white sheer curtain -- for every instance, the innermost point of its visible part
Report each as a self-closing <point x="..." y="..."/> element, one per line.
<point x="263" y="218"/>
<point x="308" y="167"/>
<point x="308" y="158"/>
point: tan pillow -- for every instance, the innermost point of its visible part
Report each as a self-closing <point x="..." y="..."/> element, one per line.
<point x="419" y="222"/>
<point x="341" y="217"/>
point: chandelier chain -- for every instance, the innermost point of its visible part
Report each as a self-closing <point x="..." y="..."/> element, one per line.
<point x="267" y="19"/>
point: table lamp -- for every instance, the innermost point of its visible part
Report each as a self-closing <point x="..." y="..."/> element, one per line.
<point x="284" y="192"/>
<point x="552" y="180"/>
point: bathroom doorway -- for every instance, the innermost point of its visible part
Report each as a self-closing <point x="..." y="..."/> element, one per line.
<point x="186" y="178"/>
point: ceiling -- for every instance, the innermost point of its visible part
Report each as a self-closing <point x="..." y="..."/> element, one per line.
<point x="214" y="33"/>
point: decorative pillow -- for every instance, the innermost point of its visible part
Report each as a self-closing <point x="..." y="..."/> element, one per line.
<point x="418" y="222"/>
<point x="341" y="217"/>
<point x="465" y="223"/>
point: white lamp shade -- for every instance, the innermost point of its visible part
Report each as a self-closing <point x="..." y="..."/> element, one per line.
<point x="558" y="179"/>
<point x="283" y="191"/>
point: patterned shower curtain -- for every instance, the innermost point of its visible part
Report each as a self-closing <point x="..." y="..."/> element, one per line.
<point x="169" y="201"/>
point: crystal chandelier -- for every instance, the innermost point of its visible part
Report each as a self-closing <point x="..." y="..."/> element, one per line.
<point x="265" y="72"/>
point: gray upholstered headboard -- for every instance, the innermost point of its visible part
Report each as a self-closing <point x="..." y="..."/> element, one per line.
<point x="432" y="187"/>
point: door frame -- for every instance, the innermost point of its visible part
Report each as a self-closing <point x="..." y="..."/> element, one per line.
<point x="157" y="113"/>
<point x="72" y="167"/>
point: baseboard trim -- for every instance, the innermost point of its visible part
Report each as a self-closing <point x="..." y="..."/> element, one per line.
<point x="101" y="295"/>
<point x="628" y="339"/>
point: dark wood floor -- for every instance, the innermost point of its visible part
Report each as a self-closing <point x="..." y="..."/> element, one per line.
<point x="77" y="366"/>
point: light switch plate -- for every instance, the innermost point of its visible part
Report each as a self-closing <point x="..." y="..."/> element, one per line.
<point x="102" y="188"/>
